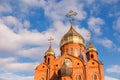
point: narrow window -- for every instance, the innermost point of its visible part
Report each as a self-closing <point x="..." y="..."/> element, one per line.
<point x="71" y="50"/>
<point x="94" y="77"/>
<point x="48" y="60"/>
<point x="76" y="52"/>
<point x="81" y="54"/>
<point x="92" y="56"/>
<point x="78" y="77"/>
<point x="66" y="50"/>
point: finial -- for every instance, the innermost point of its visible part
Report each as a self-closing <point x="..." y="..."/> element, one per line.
<point x="89" y="36"/>
<point x="50" y="40"/>
<point x="70" y="14"/>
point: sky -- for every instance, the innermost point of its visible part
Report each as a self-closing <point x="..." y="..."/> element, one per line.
<point x="26" y="26"/>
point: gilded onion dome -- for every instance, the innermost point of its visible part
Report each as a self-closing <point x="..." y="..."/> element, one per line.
<point x="72" y="37"/>
<point x="49" y="51"/>
<point x="91" y="47"/>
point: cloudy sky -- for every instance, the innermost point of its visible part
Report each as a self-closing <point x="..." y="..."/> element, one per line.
<point x="26" y="25"/>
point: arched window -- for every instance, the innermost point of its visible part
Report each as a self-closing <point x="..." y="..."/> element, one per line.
<point x="71" y="50"/>
<point x="78" y="77"/>
<point x="76" y="52"/>
<point x="92" y="56"/>
<point x="94" y="77"/>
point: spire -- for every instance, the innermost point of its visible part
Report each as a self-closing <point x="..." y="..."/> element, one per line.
<point x="90" y="37"/>
<point x="70" y="14"/>
<point x="90" y="46"/>
<point x="50" y="40"/>
<point x="50" y="51"/>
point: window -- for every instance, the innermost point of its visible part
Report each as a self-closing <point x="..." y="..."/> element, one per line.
<point x="81" y="54"/>
<point x="48" y="60"/>
<point x="66" y="50"/>
<point x="76" y="52"/>
<point x="92" y="56"/>
<point x="56" y="65"/>
<point x="93" y="63"/>
<point x="43" y="66"/>
<point x="71" y="50"/>
<point x="94" y="77"/>
<point x="78" y="77"/>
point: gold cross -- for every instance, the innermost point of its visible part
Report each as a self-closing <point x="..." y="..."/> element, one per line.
<point x="70" y="14"/>
<point x="50" y="40"/>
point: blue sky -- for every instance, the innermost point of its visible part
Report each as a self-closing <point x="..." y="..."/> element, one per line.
<point x="26" y="25"/>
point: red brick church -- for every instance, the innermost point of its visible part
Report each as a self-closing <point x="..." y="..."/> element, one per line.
<point x="77" y="61"/>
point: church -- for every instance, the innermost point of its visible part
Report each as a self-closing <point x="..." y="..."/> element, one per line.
<point x="77" y="61"/>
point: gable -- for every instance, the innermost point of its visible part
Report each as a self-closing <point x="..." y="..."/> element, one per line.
<point x="75" y="61"/>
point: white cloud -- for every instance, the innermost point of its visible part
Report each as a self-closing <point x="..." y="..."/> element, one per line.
<point x="114" y="69"/>
<point x="115" y="14"/>
<point x="12" y="64"/>
<point x="62" y="7"/>
<point x="110" y="1"/>
<point x="118" y="49"/>
<point x="106" y="42"/>
<point x="17" y="41"/>
<point x="11" y="76"/>
<point x="90" y="1"/>
<point x="116" y="24"/>
<point x="34" y="3"/>
<point x="110" y="78"/>
<point x="8" y="36"/>
<point x="58" y="11"/>
<point x="5" y="7"/>
<point x="95" y="24"/>
<point x="34" y="53"/>
<point x="6" y="60"/>
<point x="26" y="23"/>
<point x="14" y="23"/>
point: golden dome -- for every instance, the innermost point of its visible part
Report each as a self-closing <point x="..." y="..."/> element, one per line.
<point x="72" y="37"/>
<point x="91" y="47"/>
<point x="49" y="51"/>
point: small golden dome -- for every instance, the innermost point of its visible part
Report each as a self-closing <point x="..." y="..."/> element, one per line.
<point x="91" y="47"/>
<point x="72" y="37"/>
<point x="49" y="51"/>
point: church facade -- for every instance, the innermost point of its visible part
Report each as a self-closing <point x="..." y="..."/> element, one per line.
<point x="77" y="61"/>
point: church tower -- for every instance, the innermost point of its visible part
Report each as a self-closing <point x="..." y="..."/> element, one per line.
<point x="76" y="61"/>
<point x="49" y="54"/>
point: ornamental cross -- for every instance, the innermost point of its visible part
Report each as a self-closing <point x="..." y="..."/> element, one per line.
<point x="70" y="14"/>
<point x="89" y="36"/>
<point x="50" y="40"/>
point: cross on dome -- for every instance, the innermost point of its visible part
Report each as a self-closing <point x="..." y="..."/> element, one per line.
<point x="70" y="14"/>
<point x="89" y="35"/>
<point x="50" y="40"/>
